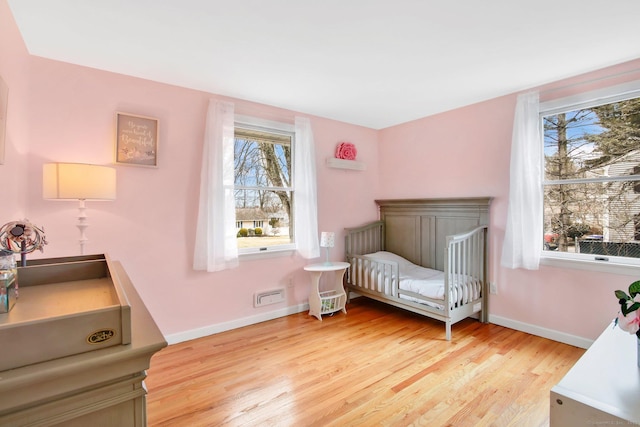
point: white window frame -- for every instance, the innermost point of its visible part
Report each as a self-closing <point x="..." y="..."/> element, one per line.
<point x="609" y="264"/>
<point x="275" y="127"/>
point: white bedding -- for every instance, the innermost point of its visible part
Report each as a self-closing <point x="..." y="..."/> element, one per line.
<point x="425" y="281"/>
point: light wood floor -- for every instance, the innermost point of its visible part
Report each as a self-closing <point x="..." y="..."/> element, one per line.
<point x="374" y="366"/>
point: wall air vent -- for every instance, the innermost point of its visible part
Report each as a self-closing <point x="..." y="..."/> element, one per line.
<point x="272" y="296"/>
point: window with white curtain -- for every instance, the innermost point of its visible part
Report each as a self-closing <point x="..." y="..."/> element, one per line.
<point x="591" y="176"/>
<point x="263" y="185"/>
<point x="281" y="165"/>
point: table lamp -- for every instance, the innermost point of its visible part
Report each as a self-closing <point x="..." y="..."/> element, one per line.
<point x="78" y="181"/>
<point x="327" y="240"/>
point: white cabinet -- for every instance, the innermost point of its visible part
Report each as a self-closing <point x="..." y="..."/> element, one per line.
<point x="603" y="387"/>
<point x="330" y="300"/>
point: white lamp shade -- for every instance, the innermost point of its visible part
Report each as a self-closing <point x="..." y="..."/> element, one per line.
<point x="78" y="181"/>
<point x="327" y="239"/>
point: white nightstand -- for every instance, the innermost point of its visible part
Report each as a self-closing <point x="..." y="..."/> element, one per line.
<point x="331" y="300"/>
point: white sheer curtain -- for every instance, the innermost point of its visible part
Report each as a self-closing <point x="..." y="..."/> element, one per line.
<point x="216" y="247"/>
<point x="523" y="235"/>
<point x="305" y="191"/>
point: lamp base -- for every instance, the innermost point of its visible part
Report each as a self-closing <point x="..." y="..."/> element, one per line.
<point x="327" y="262"/>
<point x="82" y="224"/>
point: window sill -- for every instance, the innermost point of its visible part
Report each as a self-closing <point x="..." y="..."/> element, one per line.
<point x="612" y="267"/>
<point x="274" y="253"/>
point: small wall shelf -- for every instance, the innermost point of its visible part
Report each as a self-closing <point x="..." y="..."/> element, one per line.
<point x="345" y="164"/>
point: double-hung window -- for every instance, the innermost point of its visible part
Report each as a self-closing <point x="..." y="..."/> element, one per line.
<point x="592" y="177"/>
<point x="258" y="189"/>
<point x="263" y="186"/>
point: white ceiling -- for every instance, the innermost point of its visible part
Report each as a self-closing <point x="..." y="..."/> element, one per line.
<point x="374" y="63"/>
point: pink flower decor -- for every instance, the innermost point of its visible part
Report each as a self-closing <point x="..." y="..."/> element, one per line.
<point x="629" y="316"/>
<point x="629" y="323"/>
<point x="346" y="151"/>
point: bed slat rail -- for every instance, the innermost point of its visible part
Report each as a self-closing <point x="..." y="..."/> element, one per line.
<point x="374" y="275"/>
<point x="370" y="276"/>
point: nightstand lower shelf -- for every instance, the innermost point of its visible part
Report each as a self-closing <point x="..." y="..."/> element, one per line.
<point x="332" y="301"/>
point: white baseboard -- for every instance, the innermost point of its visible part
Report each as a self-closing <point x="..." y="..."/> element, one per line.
<point x="238" y="323"/>
<point x="541" y="332"/>
<point x="551" y="334"/>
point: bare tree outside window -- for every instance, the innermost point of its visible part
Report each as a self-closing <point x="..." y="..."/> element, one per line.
<point x="592" y="160"/>
<point x="263" y="187"/>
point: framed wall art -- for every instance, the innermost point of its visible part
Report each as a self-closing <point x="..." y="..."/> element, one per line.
<point x="4" y="99"/>
<point x="136" y="140"/>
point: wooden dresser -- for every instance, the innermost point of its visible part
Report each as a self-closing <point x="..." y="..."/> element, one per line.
<point x="101" y="387"/>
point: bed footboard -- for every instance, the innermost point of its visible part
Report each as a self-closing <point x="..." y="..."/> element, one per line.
<point x="466" y="273"/>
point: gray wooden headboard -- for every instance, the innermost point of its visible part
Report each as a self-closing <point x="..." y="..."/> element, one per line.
<point x="416" y="229"/>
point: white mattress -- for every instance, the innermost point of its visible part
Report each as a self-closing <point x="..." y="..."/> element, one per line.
<point x="424" y="281"/>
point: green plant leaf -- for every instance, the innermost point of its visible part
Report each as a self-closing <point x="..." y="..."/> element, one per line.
<point x="633" y="307"/>
<point x="634" y="288"/>
<point x="621" y="295"/>
<point x="629" y="309"/>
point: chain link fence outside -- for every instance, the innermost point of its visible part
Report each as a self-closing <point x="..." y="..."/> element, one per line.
<point x="596" y="247"/>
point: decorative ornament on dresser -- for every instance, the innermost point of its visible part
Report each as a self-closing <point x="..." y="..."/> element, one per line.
<point x="16" y="237"/>
<point x="22" y="237"/>
<point x="629" y="315"/>
<point x="346" y="151"/>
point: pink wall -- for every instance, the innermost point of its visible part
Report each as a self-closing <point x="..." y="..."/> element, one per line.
<point x="63" y="112"/>
<point x="13" y="66"/>
<point x="466" y="152"/>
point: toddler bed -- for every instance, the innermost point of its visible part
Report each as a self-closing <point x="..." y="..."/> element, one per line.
<point x="428" y="256"/>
